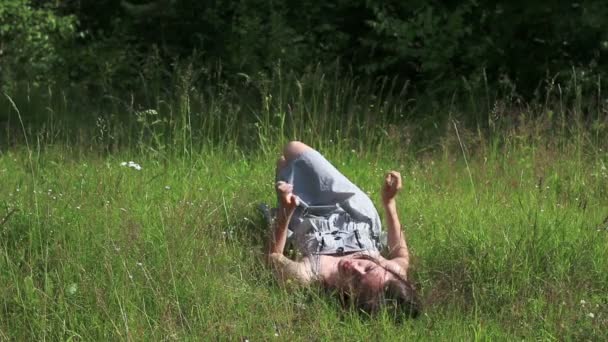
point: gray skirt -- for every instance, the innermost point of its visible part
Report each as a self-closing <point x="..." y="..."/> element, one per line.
<point x="334" y="215"/>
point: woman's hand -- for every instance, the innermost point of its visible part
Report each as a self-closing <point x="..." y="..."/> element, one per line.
<point x="391" y="186"/>
<point x="287" y="199"/>
<point x="287" y="204"/>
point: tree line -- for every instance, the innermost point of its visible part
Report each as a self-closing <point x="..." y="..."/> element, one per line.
<point x="433" y="44"/>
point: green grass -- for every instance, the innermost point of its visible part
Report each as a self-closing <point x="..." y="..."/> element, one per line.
<point x="96" y="250"/>
<point x="509" y="243"/>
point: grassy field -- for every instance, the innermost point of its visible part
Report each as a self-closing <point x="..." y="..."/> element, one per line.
<point x="508" y="232"/>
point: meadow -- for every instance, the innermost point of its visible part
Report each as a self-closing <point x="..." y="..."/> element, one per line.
<point x="144" y="226"/>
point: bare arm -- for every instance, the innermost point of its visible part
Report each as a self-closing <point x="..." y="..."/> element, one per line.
<point x="287" y="205"/>
<point x="398" y="251"/>
<point x="287" y="271"/>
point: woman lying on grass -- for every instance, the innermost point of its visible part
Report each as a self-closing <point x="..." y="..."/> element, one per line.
<point x="335" y="230"/>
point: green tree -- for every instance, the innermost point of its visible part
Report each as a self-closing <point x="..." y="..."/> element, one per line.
<point x="32" y="40"/>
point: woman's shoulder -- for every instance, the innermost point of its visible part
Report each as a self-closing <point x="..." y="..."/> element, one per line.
<point x="291" y="272"/>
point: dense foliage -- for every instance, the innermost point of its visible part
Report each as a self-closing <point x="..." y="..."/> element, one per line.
<point x="433" y="43"/>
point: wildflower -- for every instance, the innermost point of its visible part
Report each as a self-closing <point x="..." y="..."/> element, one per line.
<point x="72" y="289"/>
<point x="139" y="264"/>
<point x="132" y="165"/>
<point x="167" y="187"/>
<point x="150" y="112"/>
<point x="583" y="302"/>
<point x="591" y="315"/>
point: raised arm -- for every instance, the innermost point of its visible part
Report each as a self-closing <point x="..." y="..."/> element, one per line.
<point x="398" y="251"/>
<point x="287" y="204"/>
<point x="286" y="270"/>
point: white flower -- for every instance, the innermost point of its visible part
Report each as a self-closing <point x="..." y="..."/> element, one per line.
<point x="167" y="187"/>
<point x="591" y="315"/>
<point x="132" y="165"/>
<point x="583" y="302"/>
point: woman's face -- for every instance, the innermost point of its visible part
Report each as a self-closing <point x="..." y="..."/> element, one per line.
<point x="356" y="275"/>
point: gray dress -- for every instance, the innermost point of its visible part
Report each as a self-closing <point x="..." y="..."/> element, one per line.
<point x="334" y="216"/>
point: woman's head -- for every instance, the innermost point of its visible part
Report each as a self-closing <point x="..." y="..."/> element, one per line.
<point x="371" y="286"/>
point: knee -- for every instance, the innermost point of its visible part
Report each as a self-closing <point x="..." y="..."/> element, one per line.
<point x="294" y="148"/>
